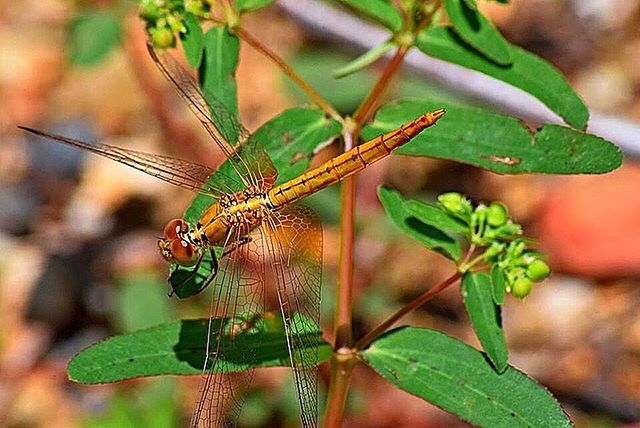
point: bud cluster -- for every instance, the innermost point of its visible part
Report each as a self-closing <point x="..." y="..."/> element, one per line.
<point x="165" y="18"/>
<point x="491" y="228"/>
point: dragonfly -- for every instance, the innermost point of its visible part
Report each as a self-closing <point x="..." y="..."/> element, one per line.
<point x="264" y="236"/>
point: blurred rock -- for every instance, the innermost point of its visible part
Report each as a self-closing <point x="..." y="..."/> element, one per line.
<point x="590" y="225"/>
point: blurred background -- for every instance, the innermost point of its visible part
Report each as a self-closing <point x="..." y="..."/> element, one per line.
<point x="79" y="260"/>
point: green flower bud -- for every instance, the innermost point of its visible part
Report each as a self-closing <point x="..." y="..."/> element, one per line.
<point x="452" y="202"/>
<point x="497" y="214"/>
<point x="162" y="37"/>
<point x="538" y="270"/>
<point x="149" y="11"/>
<point x="495" y="249"/>
<point x="175" y="23"/>
<point x="521" y="287"/>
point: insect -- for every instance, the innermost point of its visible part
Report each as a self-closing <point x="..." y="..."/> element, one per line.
<point x="263" y="236"/>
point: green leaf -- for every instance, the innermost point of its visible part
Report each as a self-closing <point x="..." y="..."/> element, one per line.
<point x="458" y="379"/>
<point x="250" y="5"/>
<point x="471" y="4"/>
<point x="364" y="60"/>
<point x="528" y="72"/>
<point x="498" y="284"/>
<point x="192" y="40"/>
<point x="498" y="143"/>
<point x="427" y="234"/>
<point x="485" y="317"/>
<point x="178" y="348"/>
<point x="217" y="77"/>
<point x="379" y="11"/>
<point x="478" y="31"/>
<point x="436" y="217"/>
<point x="92" y="36"/>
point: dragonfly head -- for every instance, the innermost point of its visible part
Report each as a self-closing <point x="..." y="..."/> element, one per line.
<point x="177" y="246"/>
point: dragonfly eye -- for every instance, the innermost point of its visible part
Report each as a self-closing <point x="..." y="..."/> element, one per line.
<point x="175" y="228"/>
<point x="184" y="253"/>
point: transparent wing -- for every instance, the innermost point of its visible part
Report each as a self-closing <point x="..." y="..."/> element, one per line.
<point x="294" y="240"/>
<point x="248" y="159"/>
<point x="182" y="173"/>
<point x="239" y="299"/>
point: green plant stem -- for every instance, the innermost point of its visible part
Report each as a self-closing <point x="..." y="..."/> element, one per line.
<point x="342" y="365"/>
<point x="342" y="317"/>
<point x="318" y="99"/>
<point x="419" y="301"/>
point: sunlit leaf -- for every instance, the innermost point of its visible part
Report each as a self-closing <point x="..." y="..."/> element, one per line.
<point x="478" y="31"/>
<point x="251" y="5"/>
<point x="498" y="143"/>
<point x="498" y="284"/>
<point x="192" y="40"/>
<point x="428" y="234"/>
<point x="92" y="36"/>
<point x="458" y="379"/>
<point x="485" y="317"/>
<point x="379" y="11"/>
<point x="527" y="72"/>
<point x="179" y="348"/>
<point x="364" y="60"/>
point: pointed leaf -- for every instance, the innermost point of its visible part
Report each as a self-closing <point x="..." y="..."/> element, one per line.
<point x="217" y="74"/>
<point x="427" y="234"/>
<point x="178" y="348"/>
<point x="485" y="317"/>
<point x="192" y="40"/>
<point x="498" y="284"/>
<point x="250" y="5"/>
<point x="364" y="60"/>
<point x="92" y="36"/>
<point x="478" y="31"/>
<point x="436" y="217"/>
<point x="458" y="379"/>
<point x="498" y="143"/>
<point x="527" y="72"/>
<point x="379" y="11"/>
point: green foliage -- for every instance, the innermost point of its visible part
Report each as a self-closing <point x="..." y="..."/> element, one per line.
<point x="433" y="233"/>
<point x="378" y="11"/>
<point x="192" y="40"/>
<point x="496" y="142"/>
<point x="364" y="60"/>
<point x="178" y="348"/>
<point x="485" y="317"/>
<point x="527" y="72"/>
<point x="139" y="304"/>
<point x="250" y="5"/>
<point x="92" y="36"/>
<point x="457" y="378"/>
<point x="477" y="31"/>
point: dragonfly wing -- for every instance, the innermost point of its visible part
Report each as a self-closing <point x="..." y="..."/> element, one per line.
<point x="180" y="172"/>
<point x="238" y="298"/>
<point x="222" y="125"/>
<point x="294" y="239"/>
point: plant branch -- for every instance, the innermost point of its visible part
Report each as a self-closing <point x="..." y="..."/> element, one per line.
<point x="318" y="99"/>
<point x="419" y="301"/>
<point x="342" y="317"/>
<point x="342" y="365"/>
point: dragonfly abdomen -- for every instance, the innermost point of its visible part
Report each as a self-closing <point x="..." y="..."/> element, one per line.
<point x="349" y="162"/>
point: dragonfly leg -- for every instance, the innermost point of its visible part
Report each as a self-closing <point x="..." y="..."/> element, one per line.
<point x="212" y="275"/>
<point x="239" y="243"/>
<point x="193" y="273"/>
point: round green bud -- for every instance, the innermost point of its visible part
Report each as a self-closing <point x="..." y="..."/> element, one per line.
<point x="495" y="249"/>
<point x="538" y="270"/>
<point x="162" y="37"/>
<point x="149" y="11"/>
<point x="452" y="202"/>
<point x="521" y="287"/>
<point x="497" y="214"/>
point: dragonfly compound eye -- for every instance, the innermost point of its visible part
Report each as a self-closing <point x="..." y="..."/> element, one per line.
<point x="183" y="252"/>
<point x="175" y="228"/>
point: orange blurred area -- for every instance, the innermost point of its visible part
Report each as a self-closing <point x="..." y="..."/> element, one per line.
<point x="78" y="234"/>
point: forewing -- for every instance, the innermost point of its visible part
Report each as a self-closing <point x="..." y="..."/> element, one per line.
<point x="294" y="240"/>
<point x="250" y="163"/>
<point x="238" y="295"/>
<point x="180" y="172"/>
